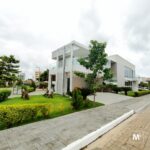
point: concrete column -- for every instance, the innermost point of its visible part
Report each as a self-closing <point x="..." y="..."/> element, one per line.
<point x="56" y="88"/>
<point x="49" y="82"/>
<point x="63" y="72"/>
<point x="71" y="69"/>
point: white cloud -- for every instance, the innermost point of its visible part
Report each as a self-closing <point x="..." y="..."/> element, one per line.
<point x="32" y="29"/>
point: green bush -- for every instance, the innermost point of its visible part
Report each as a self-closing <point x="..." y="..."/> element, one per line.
<point x="28" y="88"/>
<point x="4" y="94"/>
<point x="126" y="89"/>
<point x="43" y="85"/>
<point x="136" y="94"/>
<point x="140" y="93"/>
<point x="13" y="115"/>
<point x="77" y="99"/>
<point x="85" y="92"/>
<point x="106" y="88"/>
<point x="120" y="89"/>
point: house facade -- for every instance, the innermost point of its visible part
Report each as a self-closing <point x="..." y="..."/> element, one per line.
<point x="61" y="75"/>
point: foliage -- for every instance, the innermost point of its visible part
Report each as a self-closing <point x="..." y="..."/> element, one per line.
<point x="17" y="114"/>
<point x="85" y="92"/>
<point x="140" y="93"/>
<point x="44" y="75"/>
<point x="106" y="88"/>
<point x="79" y="74"/>
<point x="58" y="106"/>
<point x="126" y="89"/>
<point x="95" y="62"/>
<point x="4" y="94"/>
<point x="77" y="99"/>
<point x="43" y="85"/>
<point x="9" y="70"/>
<point x="33" y="85"/>
<point x="28" y="88"/>
<point x="24" y="94"/>
<point x="48" y="94"/>
<point x="30" y="83"/>
<point x="142" y="84"/>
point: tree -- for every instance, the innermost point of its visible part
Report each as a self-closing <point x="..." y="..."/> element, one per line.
<point x="95" y="62"/>
<point x="44" y="76"/>
<point x="9" y="69"/>
<point x="143" y="84"/>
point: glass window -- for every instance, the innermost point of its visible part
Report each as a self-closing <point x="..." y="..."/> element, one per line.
<point x="128" y="73"/>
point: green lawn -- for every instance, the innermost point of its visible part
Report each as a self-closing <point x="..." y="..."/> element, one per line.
<point x="60" y="105"/>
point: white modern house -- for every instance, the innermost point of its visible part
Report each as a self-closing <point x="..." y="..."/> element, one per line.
<point x="63" y="79"/>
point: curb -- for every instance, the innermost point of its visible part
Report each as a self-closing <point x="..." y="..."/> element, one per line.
<point x="77" y="145"/>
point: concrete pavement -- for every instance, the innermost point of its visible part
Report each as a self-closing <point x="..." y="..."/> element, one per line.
<point x="109" y="98"/>
<point x="57" y="133"/>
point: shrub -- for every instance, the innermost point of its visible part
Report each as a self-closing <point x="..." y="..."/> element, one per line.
<point x="126" y="89"/>
<point x="116" y="89"/>
<point x="33" y="85"/>
<point x="77" y="99"/>
<point x="28" y="88"/>
<point x="13" y="115"/>
<point x="85" y="92"/>
<point x="140" y="93"/>
<point x="43" y="85"/>
<point x="136" y="94"/>
<point x="106" y="88"/>
<point x="69" y="93"/>
<point x="4" y="94"/>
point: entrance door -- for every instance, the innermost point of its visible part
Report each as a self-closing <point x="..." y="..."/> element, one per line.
<point x="68" y="85"/>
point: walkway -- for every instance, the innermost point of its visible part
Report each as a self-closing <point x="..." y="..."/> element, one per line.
<point x="133" y="134"/>
<point x="54" y="134"/>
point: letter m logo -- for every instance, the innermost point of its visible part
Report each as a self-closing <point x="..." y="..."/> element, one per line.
<point x="136" y="137"/>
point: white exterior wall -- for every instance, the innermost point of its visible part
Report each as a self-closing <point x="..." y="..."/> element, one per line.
<point x="121" y="63"/>
<point x="70" y="54"/>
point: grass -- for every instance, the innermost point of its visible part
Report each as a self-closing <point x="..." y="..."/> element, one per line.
<point x="60" y="105"/>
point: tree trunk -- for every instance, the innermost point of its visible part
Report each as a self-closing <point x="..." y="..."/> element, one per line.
<point x="94" y="96"/>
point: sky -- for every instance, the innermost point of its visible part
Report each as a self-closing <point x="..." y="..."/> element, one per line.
<point x="32" y="29"/>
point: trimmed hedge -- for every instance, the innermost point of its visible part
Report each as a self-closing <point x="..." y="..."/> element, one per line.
<point x="120" y="89"/>
<point x="140" y="93"/>
<point x="4" y="94"/>
<point x="13" y="115"/>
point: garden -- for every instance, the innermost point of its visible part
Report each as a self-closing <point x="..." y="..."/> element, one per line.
<point x="17" y="111"/>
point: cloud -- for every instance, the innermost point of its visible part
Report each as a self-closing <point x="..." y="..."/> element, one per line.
<point x="31" y="29"/>
<point x="137" y="29"/>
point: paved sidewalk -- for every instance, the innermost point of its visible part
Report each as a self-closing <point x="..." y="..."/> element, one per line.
<point x="57" y="133"/>
<point x="133" y="134"/>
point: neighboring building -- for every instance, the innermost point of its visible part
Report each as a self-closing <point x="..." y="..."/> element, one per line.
<point x="143" y="79"/>
<point x="63" y="79"/>
<point x="37" y="75"/>
<point x="123" y="72"/>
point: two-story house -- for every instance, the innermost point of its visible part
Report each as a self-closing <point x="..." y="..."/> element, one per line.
<point x="62" y="78"/>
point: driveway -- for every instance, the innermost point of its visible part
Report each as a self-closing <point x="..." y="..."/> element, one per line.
<point x="109" y="98"/>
